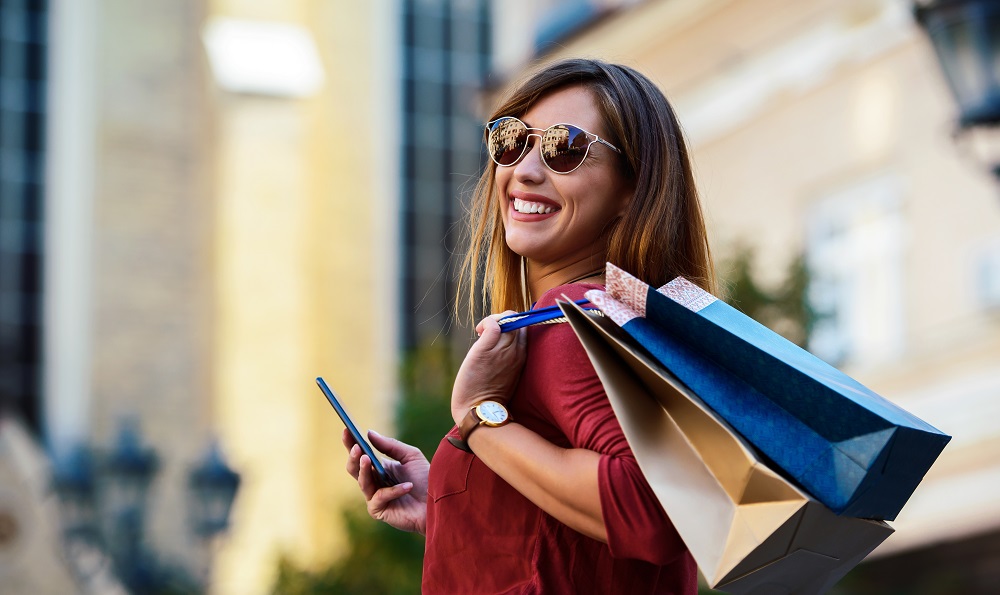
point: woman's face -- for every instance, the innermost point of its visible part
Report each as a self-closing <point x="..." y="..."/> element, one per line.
<point x="583" y="203"/>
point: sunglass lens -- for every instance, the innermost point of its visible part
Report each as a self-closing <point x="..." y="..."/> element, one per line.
<point x="507" y="139"/>
<point x="564" y="147"/>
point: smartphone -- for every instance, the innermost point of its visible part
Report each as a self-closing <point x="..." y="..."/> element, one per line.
<point x="381" y="474"/>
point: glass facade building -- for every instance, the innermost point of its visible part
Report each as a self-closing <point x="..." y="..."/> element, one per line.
<point x="23" y="28"/>
<point x="445" y="61"/>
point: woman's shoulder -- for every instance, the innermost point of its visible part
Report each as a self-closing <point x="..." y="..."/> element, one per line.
<point x="573" y="291"/>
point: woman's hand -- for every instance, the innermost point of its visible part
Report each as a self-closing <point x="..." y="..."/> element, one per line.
<point x="403" y="506"/>
<point x="491" y="369"/>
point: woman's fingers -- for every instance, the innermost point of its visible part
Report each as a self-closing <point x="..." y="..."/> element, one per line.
<point x="378" y="497"/>
<point x="383" y="502"/>
<point x="366" y="478"/>
<point x="384" y="496"/>
<point x="353" y="461"/>
<point x="348" y="439"/>
<point x="353" y="453"/>
<point x="396" y="449"/>
<point x="491" y="317"/>
<point x="491" y="336"/>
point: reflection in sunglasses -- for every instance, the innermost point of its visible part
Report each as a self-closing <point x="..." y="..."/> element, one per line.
<point x="564" y="147"/>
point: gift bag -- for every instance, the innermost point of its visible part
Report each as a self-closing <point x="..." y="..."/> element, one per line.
<point x="749" y="529"/>
<point x="849" y="448"/>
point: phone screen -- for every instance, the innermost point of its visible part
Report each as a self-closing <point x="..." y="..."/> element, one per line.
<point x="383" y="477"/>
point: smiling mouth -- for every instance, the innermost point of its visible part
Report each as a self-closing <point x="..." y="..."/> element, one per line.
<point x="528" y="207"/>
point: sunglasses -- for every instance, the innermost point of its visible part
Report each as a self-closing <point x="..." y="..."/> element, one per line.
<point x="563" y="146"/>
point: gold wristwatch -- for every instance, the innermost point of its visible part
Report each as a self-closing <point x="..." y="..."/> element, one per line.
<point x="486" y="413"/>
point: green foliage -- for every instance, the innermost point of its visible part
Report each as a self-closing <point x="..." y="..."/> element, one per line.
<point x="383" y="559"/>
<point x="784" y="309"/>
<point x="424" y="413"/>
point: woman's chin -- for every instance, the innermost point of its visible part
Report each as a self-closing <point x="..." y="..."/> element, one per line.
<point x="530" y="248"/>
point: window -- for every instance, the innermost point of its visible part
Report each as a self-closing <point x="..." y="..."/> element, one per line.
<point x="855" y="256"/>
<point x="445" y="61"/>
<point x="22" y="130"/>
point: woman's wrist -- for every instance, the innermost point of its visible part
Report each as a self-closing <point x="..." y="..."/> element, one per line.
<point x="461" y="406"/>
<point x="459" y="413"/>
<point x="488" y="413"/>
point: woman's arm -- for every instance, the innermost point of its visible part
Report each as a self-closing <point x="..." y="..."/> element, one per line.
<point x="560" y="481"/>
<point x="593" y="486"/>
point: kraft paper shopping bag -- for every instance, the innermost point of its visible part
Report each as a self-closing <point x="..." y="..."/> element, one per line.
<point x="749" y="529"/>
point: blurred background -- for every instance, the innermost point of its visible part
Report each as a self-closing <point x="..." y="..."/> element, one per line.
<point x="208" y="203"/>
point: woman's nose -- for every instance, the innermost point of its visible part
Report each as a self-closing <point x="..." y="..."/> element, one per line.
<point x="530" y="167"/>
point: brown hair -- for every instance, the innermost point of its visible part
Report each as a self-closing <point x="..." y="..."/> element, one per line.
<point x="662" y="232"/>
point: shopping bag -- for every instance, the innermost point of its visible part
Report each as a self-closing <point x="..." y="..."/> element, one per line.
<point x="749" y="529"/>
<point x="849" y="448"/>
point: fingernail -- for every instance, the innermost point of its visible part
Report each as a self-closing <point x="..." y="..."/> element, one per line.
<point x="374" y="433"/>
<point x="406" y="485"/>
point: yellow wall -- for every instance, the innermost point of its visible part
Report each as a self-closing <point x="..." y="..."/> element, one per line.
<point x="305" y="287"/>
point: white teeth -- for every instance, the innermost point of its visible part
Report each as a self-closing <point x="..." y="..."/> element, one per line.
<point x="523" y="206"/>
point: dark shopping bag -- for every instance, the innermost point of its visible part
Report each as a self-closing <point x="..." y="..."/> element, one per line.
<point x="851" y="449"/>
<point x="749" y="529"/>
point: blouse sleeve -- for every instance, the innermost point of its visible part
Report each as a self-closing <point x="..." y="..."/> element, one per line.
<point x="567" y="391"/>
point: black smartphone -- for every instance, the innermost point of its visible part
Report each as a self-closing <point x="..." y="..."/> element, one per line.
<point x="381" y="474"/>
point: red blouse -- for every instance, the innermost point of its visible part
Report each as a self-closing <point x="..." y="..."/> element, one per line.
<point x="483" y="536"/>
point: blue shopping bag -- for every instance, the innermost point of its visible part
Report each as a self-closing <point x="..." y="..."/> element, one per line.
<point x="851" y="449"/>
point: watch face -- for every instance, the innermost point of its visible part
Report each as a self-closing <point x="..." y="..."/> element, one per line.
<point x="492" y="412"/>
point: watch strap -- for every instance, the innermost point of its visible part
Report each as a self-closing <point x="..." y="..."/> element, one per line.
<point x="468" y="424"/>
<point x="459" y="443"/>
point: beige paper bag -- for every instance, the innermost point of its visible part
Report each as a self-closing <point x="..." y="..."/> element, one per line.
<point x="749" y="529"/>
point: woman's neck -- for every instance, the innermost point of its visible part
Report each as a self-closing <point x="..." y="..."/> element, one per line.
<point x="542" y="278"/>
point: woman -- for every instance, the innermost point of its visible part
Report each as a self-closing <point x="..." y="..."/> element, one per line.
<point x="589" y="165"/>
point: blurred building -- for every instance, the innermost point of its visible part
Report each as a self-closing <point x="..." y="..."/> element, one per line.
<point x="238" y="196"/>
<point x="823" y="128"/>
<point x="217" y="183"/>
<point x="23" y="46"/>
<point x="129" y="226"/>
<point x="306" y="262"/>
<point x="30" y="553"/>
<point x="446" y="52"/>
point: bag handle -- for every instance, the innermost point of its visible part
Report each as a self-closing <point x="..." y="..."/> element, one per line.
<point x="549" y="315"/>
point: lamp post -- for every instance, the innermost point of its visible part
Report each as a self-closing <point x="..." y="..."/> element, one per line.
<point x="212" y="487"/>
<point x="966" y="38"/>
<point x="103" y="502"/>
<point x="128" y="471"/>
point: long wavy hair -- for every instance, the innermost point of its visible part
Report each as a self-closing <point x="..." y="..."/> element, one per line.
<point x="662" y="233"/>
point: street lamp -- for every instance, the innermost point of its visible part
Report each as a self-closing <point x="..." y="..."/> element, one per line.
<point x="127" y="472"/>
<point x="73" y="482"/>
<point x="103" y="503"/>
<point x="211" y="487"/>
<point x="966" y="38"/>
